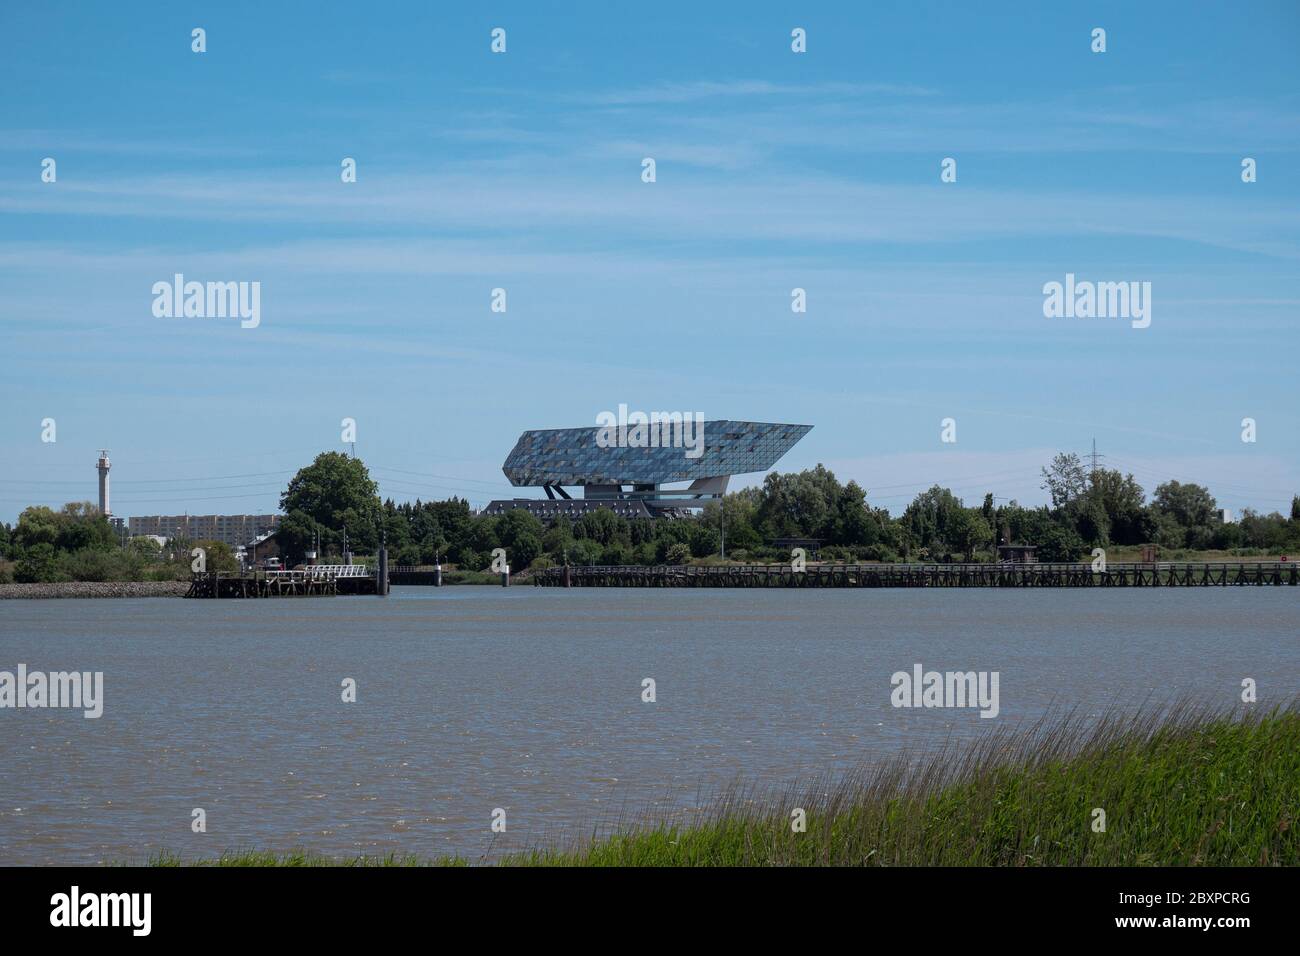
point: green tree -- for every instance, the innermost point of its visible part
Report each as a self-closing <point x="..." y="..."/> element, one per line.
<point x="1064" y="479"/>
<point x="800" y="505"/>
<point x="969" y="532"/>
<point x="81" y="525"/>
<point x="585" y="551"/>
<point x="37" y="525"/>
<point x="218" y="556"/>
<point x="1057" y="544"/>
<point x="1192" y="506"/>
<point x="1122" y="501"/>
<point x="37" y="564"/>
<point x="297" y="535"/>
<point x="931" y="518"/>
<point x="678" y="554"/>
<point x="1090" y="520"/>
<point x="602" y="526"/>
<point x="525" y="549"/>
<point x="335" y="492"/>
<point x="515" y="525"/>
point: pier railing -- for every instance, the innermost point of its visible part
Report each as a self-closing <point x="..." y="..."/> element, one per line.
<point x="327" y="571"/>
<point x="321" y="579"/>
<point x="1001" y="575"/>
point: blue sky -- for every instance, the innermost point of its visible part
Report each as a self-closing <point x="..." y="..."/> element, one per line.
<point x="775" y="170"/>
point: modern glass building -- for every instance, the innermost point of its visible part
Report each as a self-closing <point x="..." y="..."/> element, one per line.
<point x="627" y="466"/>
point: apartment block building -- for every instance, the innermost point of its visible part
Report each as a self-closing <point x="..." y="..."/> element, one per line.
<point x="234" y="530"/>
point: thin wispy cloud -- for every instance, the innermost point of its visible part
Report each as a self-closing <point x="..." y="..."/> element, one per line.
<point x="713" y="89"/>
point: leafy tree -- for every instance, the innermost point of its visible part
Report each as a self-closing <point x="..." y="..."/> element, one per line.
<point x="617" y="552"/>
<point x="1169" y="533"/>
<point x="1268" y="532"/>
<point x="1192" y="506"/>
<point x="585" y="551"/>
<point x="218" y="556"/>
<point x="516" y="525"/>
<point x="931" y="518"/>
<point x="147" y="548"/>
<point x="854" y="522"/>
<point x="1057" y="544"/>
<point x="969" y="532"/>
<point x="1064" y="479"/>
<point x="799" y="505"/>
<point x="526" y="549"/>
<point x="678" y="554"/>
<point x="704" y="540"/>
<point x="336" y="492"/>
<point x="558" y="540"/>
<point x="1089" y="518"/>
<point x="1121" y="501"/>
<point x="602" y="526"/>
<point x="467" y="559"/>
<point x="37" y="563"/>
<point x="36" y="525"/>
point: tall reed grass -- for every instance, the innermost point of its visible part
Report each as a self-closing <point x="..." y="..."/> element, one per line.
<point x="1179" y="786"/>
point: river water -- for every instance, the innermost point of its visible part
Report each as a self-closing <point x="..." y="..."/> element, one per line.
<point x="470" y="699"/>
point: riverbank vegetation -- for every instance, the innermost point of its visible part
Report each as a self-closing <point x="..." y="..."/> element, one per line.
<point x="1101" y="508"/>
<point x="1170" y="787"/>
<point x="334" y="497"/>
<point x="77" y="543"/>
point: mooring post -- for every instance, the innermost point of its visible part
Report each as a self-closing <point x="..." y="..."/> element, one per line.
<point x="381" y="585"/>
<point x="437" y="575"/>
<point x="505" y="577"/>
<point x="568" y="577"/>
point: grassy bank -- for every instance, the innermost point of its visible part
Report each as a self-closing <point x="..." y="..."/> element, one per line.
<point x="1179" y="788"/>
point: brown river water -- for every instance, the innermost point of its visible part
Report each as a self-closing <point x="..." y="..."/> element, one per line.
<point x="470" y="699"/>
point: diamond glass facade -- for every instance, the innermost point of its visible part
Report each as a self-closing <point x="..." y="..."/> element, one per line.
<point x="571" y="456"/>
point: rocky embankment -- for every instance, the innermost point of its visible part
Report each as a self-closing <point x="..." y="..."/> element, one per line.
<point x="96" y="589"/>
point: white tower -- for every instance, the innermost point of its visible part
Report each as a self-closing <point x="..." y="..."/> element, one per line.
<point x="104" y="465"/>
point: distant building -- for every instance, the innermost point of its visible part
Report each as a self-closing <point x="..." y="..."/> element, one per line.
<point x="632" y="478"/>
<point x="810" y="545"/>
<point x="233" y="530"/>
<point x="1018" y="553"/>
<point x="1225" y="515"/>
<point x="258" y="549"/>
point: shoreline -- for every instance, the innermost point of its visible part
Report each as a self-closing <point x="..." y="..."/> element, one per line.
<point x="1164" y="787"/>
<point x="94" y="589"/>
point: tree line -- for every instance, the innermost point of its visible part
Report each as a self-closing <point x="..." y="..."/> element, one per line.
<point x="334" y="498"/>
<point x="1089" y="508"/>
<point x="76" y="543"/>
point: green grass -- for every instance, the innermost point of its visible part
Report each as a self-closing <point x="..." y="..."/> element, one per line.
<point x="1179" y="787"/>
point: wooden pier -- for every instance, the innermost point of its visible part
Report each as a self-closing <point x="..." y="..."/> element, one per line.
<point x="924" y="576"/>
<point x="429" y="575"/>
<point x="319" y="581"/>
